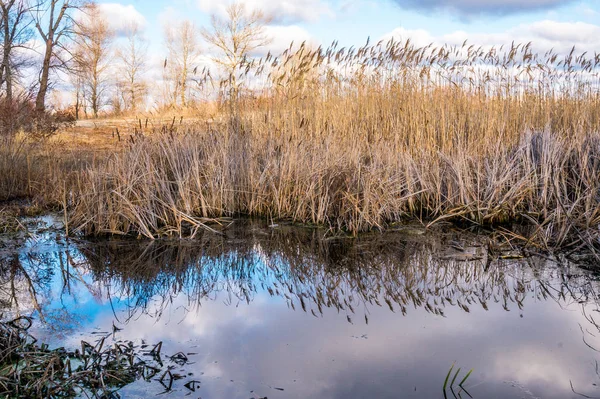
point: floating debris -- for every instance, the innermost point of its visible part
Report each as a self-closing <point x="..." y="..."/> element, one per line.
<point x="32" y="370"/>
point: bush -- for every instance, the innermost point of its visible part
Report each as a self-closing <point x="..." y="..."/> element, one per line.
<point x="16" y="115"/>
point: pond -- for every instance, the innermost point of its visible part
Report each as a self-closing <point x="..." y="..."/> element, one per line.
<point x="289" y="312"/>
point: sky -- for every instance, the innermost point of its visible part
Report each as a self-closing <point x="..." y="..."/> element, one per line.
<point x="548" y="24"/>
<point x="557" y="24"/>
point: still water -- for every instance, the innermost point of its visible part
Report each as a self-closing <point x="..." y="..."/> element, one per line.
<point x="284" y="312"/>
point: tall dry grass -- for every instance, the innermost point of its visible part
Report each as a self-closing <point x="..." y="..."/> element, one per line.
<point x="30" y="168"/>
<point x="359" y="139"/>
<point x="15" y="171"/>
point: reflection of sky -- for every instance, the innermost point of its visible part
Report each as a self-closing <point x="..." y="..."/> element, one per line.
<point x="244" y="350"/>
<point x="266" y="345"/>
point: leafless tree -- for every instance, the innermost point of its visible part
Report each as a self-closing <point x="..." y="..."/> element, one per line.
<point x="92" y="55"/>
<point x="15" y="32"/>
<point x="235" y="38"/>
<point x="130" y="82"/>
<point x="77" y="81"/>
<point x="184" y="50"/>
<point x="53" y="20"/>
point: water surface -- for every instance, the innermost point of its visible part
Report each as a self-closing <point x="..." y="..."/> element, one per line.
<point x="284" y="312"/>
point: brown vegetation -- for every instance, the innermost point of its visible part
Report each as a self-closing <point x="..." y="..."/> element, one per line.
<point x="360" y="139"/>
<point x="29" y="369"/>
<point x="376" y="136"/>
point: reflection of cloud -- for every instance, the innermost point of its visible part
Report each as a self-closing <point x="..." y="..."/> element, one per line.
<point x="265" y="344"/>
<point x="544" y="35"/>
<point x="474" y="7"/>
<point x="549" y="363"/>
<point x="280" y="10"/>
<point x="542" y="367"/>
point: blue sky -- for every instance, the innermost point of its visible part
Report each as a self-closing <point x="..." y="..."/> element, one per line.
<point x="548" y="23"/>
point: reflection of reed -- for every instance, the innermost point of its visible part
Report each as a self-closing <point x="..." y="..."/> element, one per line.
<point x="312" y="273"/>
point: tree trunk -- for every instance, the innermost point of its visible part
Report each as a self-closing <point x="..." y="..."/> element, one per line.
<point x="95" y="88"/>
<point x="184" y="74"/>
<point x="9" y="82"/>
<point x="183" y="90"/>
<point x="132" y="97"/>
<point x="77" y="105"/>
<point x="1" y="74"/>
<point x="5" y="66"/>
<point x="40" y="100"/>
<point x="5" y="74"/>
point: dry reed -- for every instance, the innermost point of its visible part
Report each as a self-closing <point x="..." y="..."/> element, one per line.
<point x="356" y="139"/>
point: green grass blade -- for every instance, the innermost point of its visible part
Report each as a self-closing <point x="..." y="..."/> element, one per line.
<point x="454" y="379"/>
<point x="464" y="379"/>
<point x="448" y="376"/>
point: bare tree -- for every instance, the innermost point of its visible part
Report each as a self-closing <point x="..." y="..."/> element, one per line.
<point x="184" y="50"/>
<point x="77" y="81"/>
<point x="93" y="42"/>
<point x="15" y="32"/>
<point x="236" y="38"/>
<point x="56" y="16"/>
<point x="130" y="83"/>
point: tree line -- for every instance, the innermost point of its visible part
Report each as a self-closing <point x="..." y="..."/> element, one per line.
<point x="71" y="42"/>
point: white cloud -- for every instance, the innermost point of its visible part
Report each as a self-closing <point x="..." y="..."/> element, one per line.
<point x="544" y="35"/>
<point x="419" y="37"/>
<point x="474" y="7"/>
<point x="587" y="11"/>
<point x="169" y="15"/>
<point x="282" y="11"/>
<point x="576" y="32"/>
<point x="283" y="36"/>
<point x="120" y="17"/>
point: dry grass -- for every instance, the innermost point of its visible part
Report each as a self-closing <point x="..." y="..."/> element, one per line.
<point x="14" y="168"/>
<point x="37" y="176"/>
<point x="357" y="140"/>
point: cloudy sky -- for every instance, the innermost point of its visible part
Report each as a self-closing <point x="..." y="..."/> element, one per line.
<point x="548" y="24"/>
<point x="557" y="24"/>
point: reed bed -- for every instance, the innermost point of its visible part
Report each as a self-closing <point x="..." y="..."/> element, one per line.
<point x="357" y="139"/>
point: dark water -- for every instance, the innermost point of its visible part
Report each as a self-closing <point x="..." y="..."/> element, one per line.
<point x="286" y="313"/>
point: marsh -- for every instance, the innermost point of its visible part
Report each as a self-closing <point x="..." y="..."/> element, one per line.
<point x="293" y="312"/>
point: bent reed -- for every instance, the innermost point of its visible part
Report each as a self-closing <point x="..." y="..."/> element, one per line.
<point x="357" y="139"/>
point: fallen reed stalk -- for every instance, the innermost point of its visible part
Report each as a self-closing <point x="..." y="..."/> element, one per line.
<point x="99" y="370"/>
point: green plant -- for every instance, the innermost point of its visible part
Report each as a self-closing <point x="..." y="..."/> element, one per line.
<point x="460" y="384"/>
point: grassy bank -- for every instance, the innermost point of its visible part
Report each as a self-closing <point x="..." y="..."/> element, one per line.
<point x="359" y="139"/>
